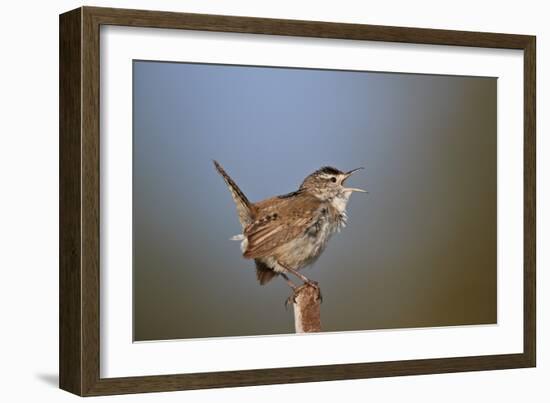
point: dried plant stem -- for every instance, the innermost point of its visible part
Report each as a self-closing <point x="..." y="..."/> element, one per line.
<point x="307" y="309"/>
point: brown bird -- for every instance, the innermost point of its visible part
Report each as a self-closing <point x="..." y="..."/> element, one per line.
<point x="286" y="233"/>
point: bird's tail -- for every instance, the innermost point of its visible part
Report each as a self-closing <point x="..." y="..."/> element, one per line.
<point x="244" y="207"/>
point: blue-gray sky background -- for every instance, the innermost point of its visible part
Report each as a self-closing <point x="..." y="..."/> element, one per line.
<point x="419" y="250"/>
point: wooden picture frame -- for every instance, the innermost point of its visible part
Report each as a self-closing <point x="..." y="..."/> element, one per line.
<point x="79" y="201"/>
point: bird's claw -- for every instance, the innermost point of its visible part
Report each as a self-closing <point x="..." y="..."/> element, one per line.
<point x="291" y="299"/>
<point x="310" y="283"/>
<point x="315" y="284"/>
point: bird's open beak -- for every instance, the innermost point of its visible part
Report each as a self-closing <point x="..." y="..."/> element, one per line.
<point x="347" y="175"/>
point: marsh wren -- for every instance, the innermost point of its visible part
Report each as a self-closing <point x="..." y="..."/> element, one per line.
<point x="286" y="233"/>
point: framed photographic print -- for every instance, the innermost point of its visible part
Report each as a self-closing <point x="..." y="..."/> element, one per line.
<point x="249" y="201"/>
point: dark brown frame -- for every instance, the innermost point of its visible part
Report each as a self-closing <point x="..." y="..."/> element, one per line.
<point x="79" y="201"/>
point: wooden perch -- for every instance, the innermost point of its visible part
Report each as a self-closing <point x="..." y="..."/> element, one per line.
<point x="307" y="309"/>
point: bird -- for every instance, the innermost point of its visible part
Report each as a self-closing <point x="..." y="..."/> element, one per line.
<point x="285" y="233"/>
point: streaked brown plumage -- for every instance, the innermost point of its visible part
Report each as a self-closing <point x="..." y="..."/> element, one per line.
<point x="286" y="233"/>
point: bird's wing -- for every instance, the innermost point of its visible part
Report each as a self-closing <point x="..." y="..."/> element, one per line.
<point x="274" y="227"/>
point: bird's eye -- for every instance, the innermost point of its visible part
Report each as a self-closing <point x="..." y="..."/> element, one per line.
<point x="333" y="179"/>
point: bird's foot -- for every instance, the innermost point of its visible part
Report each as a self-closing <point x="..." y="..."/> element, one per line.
<point x="291" y="299"/>
<point x="296" y="291"/>
<point x="315" y="285"/>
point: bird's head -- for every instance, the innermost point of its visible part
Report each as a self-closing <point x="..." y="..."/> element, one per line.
<point x="327" y="184"/>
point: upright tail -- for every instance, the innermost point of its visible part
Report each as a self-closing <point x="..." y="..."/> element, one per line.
<point x="244" y="207"/>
